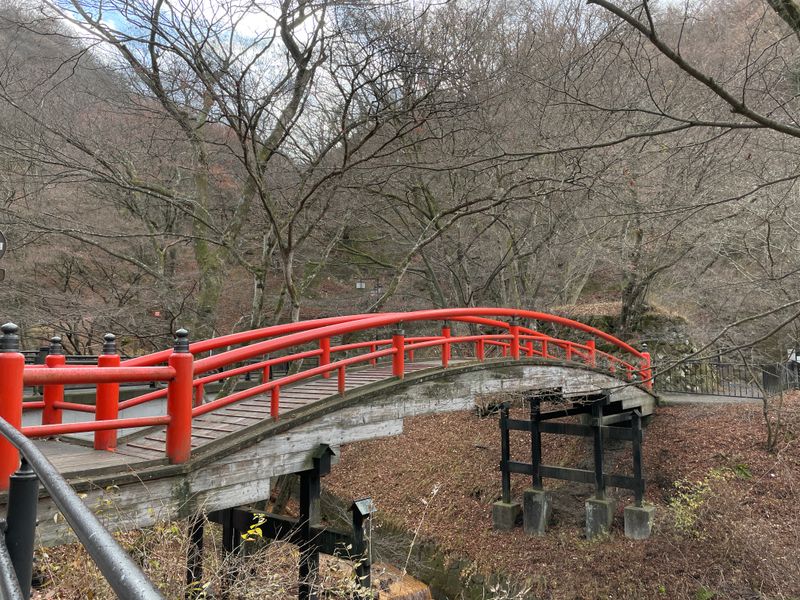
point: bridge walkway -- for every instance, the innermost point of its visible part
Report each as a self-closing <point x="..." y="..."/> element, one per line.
<point x="74" y="459"/>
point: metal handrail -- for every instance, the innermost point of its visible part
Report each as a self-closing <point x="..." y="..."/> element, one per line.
<point x="120" y="571"/>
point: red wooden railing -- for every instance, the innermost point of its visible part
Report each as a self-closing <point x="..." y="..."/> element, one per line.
<point x="187" y="372"/>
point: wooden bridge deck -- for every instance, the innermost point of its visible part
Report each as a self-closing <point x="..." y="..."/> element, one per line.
<point x="73" y="459"/>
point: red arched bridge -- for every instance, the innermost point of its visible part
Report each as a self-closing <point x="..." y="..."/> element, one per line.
<point x="352" y="377"/>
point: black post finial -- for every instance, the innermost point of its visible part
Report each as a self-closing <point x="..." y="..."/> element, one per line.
<point x="55" y="345"/>
<point x="181" y="341"/>
<point x="109" y="344"/>
<point x="10" y="340"/>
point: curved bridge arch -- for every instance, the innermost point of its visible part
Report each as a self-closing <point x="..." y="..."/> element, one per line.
<point x="378" y="383"/>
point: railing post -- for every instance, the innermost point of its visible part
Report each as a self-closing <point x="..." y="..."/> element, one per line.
<point x="445" y="345"/>
<point x="480" y="349"/>
<point x="12" y="366"/>
<point x="398" y="358"/>
<point x="341" y="380"/>
<point x="266" y="374"/>
<point x="23" y="500"/>
<point x="544" y="349"/>
<point x="325" y="357"/>
<point x="107" y="403"/>
<point x="53" y="392"/>
<point x="373" y="348"/>
<point x="529" y="348"/>
<point x="199" y="394"/>
<point x="646" y="371"/>
<point x="513" y="329"/>
<point x="591" y="360"/>
<point x="274" y="402"/>
<point x="179" y="400"/>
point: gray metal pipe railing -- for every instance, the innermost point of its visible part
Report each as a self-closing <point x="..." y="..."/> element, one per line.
<point x="123" y="575"/>
<point x="9" y="586"/>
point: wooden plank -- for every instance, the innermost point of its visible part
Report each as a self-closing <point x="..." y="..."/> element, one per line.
<point x="230" y="419"/>
<point x="141" y="453"/>
<point x="228" y="413"/>
<point x="150" y="448"/>
<point x="248" y="412"/>
<point x="205" y="425"/>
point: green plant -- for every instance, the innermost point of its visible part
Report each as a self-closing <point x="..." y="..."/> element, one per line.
<point x="690" y="496"/>
<point x="742" y="471"/>
<point x="704" y="593"/>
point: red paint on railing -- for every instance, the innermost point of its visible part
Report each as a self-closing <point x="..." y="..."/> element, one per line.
<point x="179" y="408"/>
<point x="325" y="354"/>
<point x="107" y="405"/>
<point x="398" y="358"/>
<point x="53" y="393"/>
<point x="199" y="394"/>
<point x="445" y="346"/>
<point x="12" y="365"/>
<point x="75" y="407"/>
<point x="184" y="392"/>
<point x="274" y="402"/>
<point x="83" y="374"/>
<point x="591" y="357"/>
<point x="514" y="330"/>
<point x="87" y="426"/>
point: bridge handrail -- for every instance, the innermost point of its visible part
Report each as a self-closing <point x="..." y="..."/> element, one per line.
<point x="243" y="337"/>
<point x="119" y="570"/>
<point x="309" y="335"/>
<point x="187" y="375"/>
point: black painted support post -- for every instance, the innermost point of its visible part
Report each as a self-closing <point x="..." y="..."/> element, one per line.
<point x="536" y="442"/>
<point x="361" y="552"/>
<point x="636" y="430"/>
<point x="309" y="516"/>
<point x="505" y="453"/>
<point x="597" y="431"/>
<point x="23" y="499"/>
<point x="194" y="557"/>
<point x="231" y="543"/>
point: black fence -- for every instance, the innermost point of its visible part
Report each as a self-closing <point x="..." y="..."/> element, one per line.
<point x="736" y="380"/>
<point x="17" y="544"/>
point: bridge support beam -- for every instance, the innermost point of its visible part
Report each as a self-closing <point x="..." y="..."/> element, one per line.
<point x="505" y="512"/>
<point x="600" y="427"/>
<point x="304" y="531"/>
<point x="194" y="557"/>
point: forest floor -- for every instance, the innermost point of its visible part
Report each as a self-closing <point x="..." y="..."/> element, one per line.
<point x="727" y="519"/>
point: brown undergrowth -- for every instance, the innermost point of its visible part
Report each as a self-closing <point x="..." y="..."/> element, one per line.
<point x="727" y="520"/>
<point x="727" y="524"/>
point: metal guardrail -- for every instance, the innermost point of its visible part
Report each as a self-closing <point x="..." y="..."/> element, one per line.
<point x="16" y="546"/>
<point x="738" y="380"/>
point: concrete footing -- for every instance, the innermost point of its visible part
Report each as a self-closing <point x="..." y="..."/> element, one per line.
<point x="639" y="521"/>
<point x="535" y="511"/>
<point x="599" y="515"/>
<point x="504" y="515"/>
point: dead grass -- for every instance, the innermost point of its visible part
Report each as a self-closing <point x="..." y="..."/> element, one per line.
<point x="743" y="545"/>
